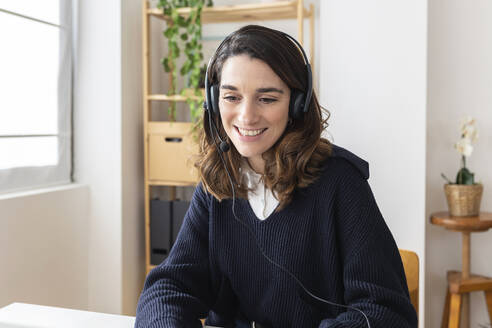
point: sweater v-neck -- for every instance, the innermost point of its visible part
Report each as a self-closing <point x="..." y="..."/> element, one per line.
<point x="252" y="214"/>
<point x="261" y="200"/>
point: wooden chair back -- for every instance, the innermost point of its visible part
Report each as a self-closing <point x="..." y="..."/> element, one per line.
<point x="411" y="265"/>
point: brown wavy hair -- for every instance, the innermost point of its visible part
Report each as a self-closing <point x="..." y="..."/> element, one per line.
<point x="296" y="159"/>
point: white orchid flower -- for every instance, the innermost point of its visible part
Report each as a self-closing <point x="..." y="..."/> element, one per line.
<point x="467" y="120"/>
<point x="470" y="132"/>
<point x="464" y="147"/>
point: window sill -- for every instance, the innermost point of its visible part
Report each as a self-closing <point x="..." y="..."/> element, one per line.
<point x="39" y="191"/>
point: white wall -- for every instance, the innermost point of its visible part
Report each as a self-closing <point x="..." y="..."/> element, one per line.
<point x="460" y="82"/>
<point x="108" y="148"/>
<point x="44" y="247"/>
<point x="373" y="81"/>
<point x="97" y="144"/>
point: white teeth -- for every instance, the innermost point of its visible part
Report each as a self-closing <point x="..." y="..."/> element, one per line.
<point x="250" y="132"/>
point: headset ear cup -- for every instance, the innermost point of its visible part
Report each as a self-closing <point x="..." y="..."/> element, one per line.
<point x="296" y="104"/>
<point x="214" y="95"/>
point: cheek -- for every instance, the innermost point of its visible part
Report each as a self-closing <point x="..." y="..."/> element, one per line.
<point x="279" y="117"/>
<point x="226" y="117"/>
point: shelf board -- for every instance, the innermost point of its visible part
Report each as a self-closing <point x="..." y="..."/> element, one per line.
<point x="171" y="183"/>
<point x="241" y="13"/>
<point x="177" y="97"/>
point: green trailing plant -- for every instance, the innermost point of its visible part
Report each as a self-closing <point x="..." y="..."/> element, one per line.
<point x="187" y="31"/>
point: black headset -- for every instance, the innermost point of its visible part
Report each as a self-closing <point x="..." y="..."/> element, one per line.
<point x="299" y="100"/>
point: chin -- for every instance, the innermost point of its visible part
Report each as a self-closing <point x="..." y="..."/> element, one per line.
<point x="246" y="153"/>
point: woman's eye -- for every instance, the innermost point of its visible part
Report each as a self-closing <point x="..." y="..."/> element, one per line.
<point x="268" y="100"/>
<point x="230" y="98"/>
<point x="263" y="100"/>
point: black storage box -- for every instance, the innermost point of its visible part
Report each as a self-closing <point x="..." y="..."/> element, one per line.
<point x="160" y="230"/>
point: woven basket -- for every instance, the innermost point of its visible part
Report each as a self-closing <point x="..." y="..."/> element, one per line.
<point x="463" y="200"/>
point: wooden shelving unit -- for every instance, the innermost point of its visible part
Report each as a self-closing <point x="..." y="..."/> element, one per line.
<point x="219" y="14"/>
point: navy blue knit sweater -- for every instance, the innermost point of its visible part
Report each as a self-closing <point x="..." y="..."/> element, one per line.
<point x="332" y="237"/>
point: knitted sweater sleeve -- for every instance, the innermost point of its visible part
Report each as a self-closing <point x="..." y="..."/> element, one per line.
<point x="373" y="274"/>
<point x="177" y="292"/>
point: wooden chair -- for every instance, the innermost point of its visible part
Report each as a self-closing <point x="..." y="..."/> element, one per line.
<point x="411" y="265"/>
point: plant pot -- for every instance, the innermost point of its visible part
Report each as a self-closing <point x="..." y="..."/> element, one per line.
<point x="463" y="200"/>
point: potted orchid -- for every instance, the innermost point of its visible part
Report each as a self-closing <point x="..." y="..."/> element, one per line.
<point x="464" y="195"/>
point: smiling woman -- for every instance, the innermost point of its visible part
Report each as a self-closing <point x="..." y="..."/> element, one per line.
<point x="283" y="229"/>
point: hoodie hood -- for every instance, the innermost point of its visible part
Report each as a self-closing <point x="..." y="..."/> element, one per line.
<point x="356" y="161"/>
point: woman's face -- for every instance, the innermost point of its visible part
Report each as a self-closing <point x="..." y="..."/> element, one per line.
<point x="254" y="107"/>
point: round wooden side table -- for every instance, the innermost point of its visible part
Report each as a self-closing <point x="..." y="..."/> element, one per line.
<point x="460" y="284"/>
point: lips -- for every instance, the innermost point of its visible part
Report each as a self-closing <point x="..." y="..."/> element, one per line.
<point x="250" y="132"/>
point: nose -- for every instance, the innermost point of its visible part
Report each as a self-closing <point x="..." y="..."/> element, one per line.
<point x="248" y="113"/>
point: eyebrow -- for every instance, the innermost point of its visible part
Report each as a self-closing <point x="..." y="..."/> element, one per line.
<point x="261" y="90"/>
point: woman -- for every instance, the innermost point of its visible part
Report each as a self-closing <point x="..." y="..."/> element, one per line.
<point x="283" y="229"/>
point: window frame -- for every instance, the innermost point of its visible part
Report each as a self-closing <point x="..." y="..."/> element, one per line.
<point x="31" y="177"/>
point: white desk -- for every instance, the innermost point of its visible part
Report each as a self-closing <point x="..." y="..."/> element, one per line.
<point x="21" y="315"/>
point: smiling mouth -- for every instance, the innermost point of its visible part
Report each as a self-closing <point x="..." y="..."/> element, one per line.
<point x="250" y="133"/>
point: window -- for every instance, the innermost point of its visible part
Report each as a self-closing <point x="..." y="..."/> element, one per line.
<point x="35" y="93"/>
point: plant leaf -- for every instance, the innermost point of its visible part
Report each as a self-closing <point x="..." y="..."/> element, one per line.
<point x="168" y="32"/>
<point x="464" y="177"/>
<point x="165" y="63"/>
<point x="181" y="21"/>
